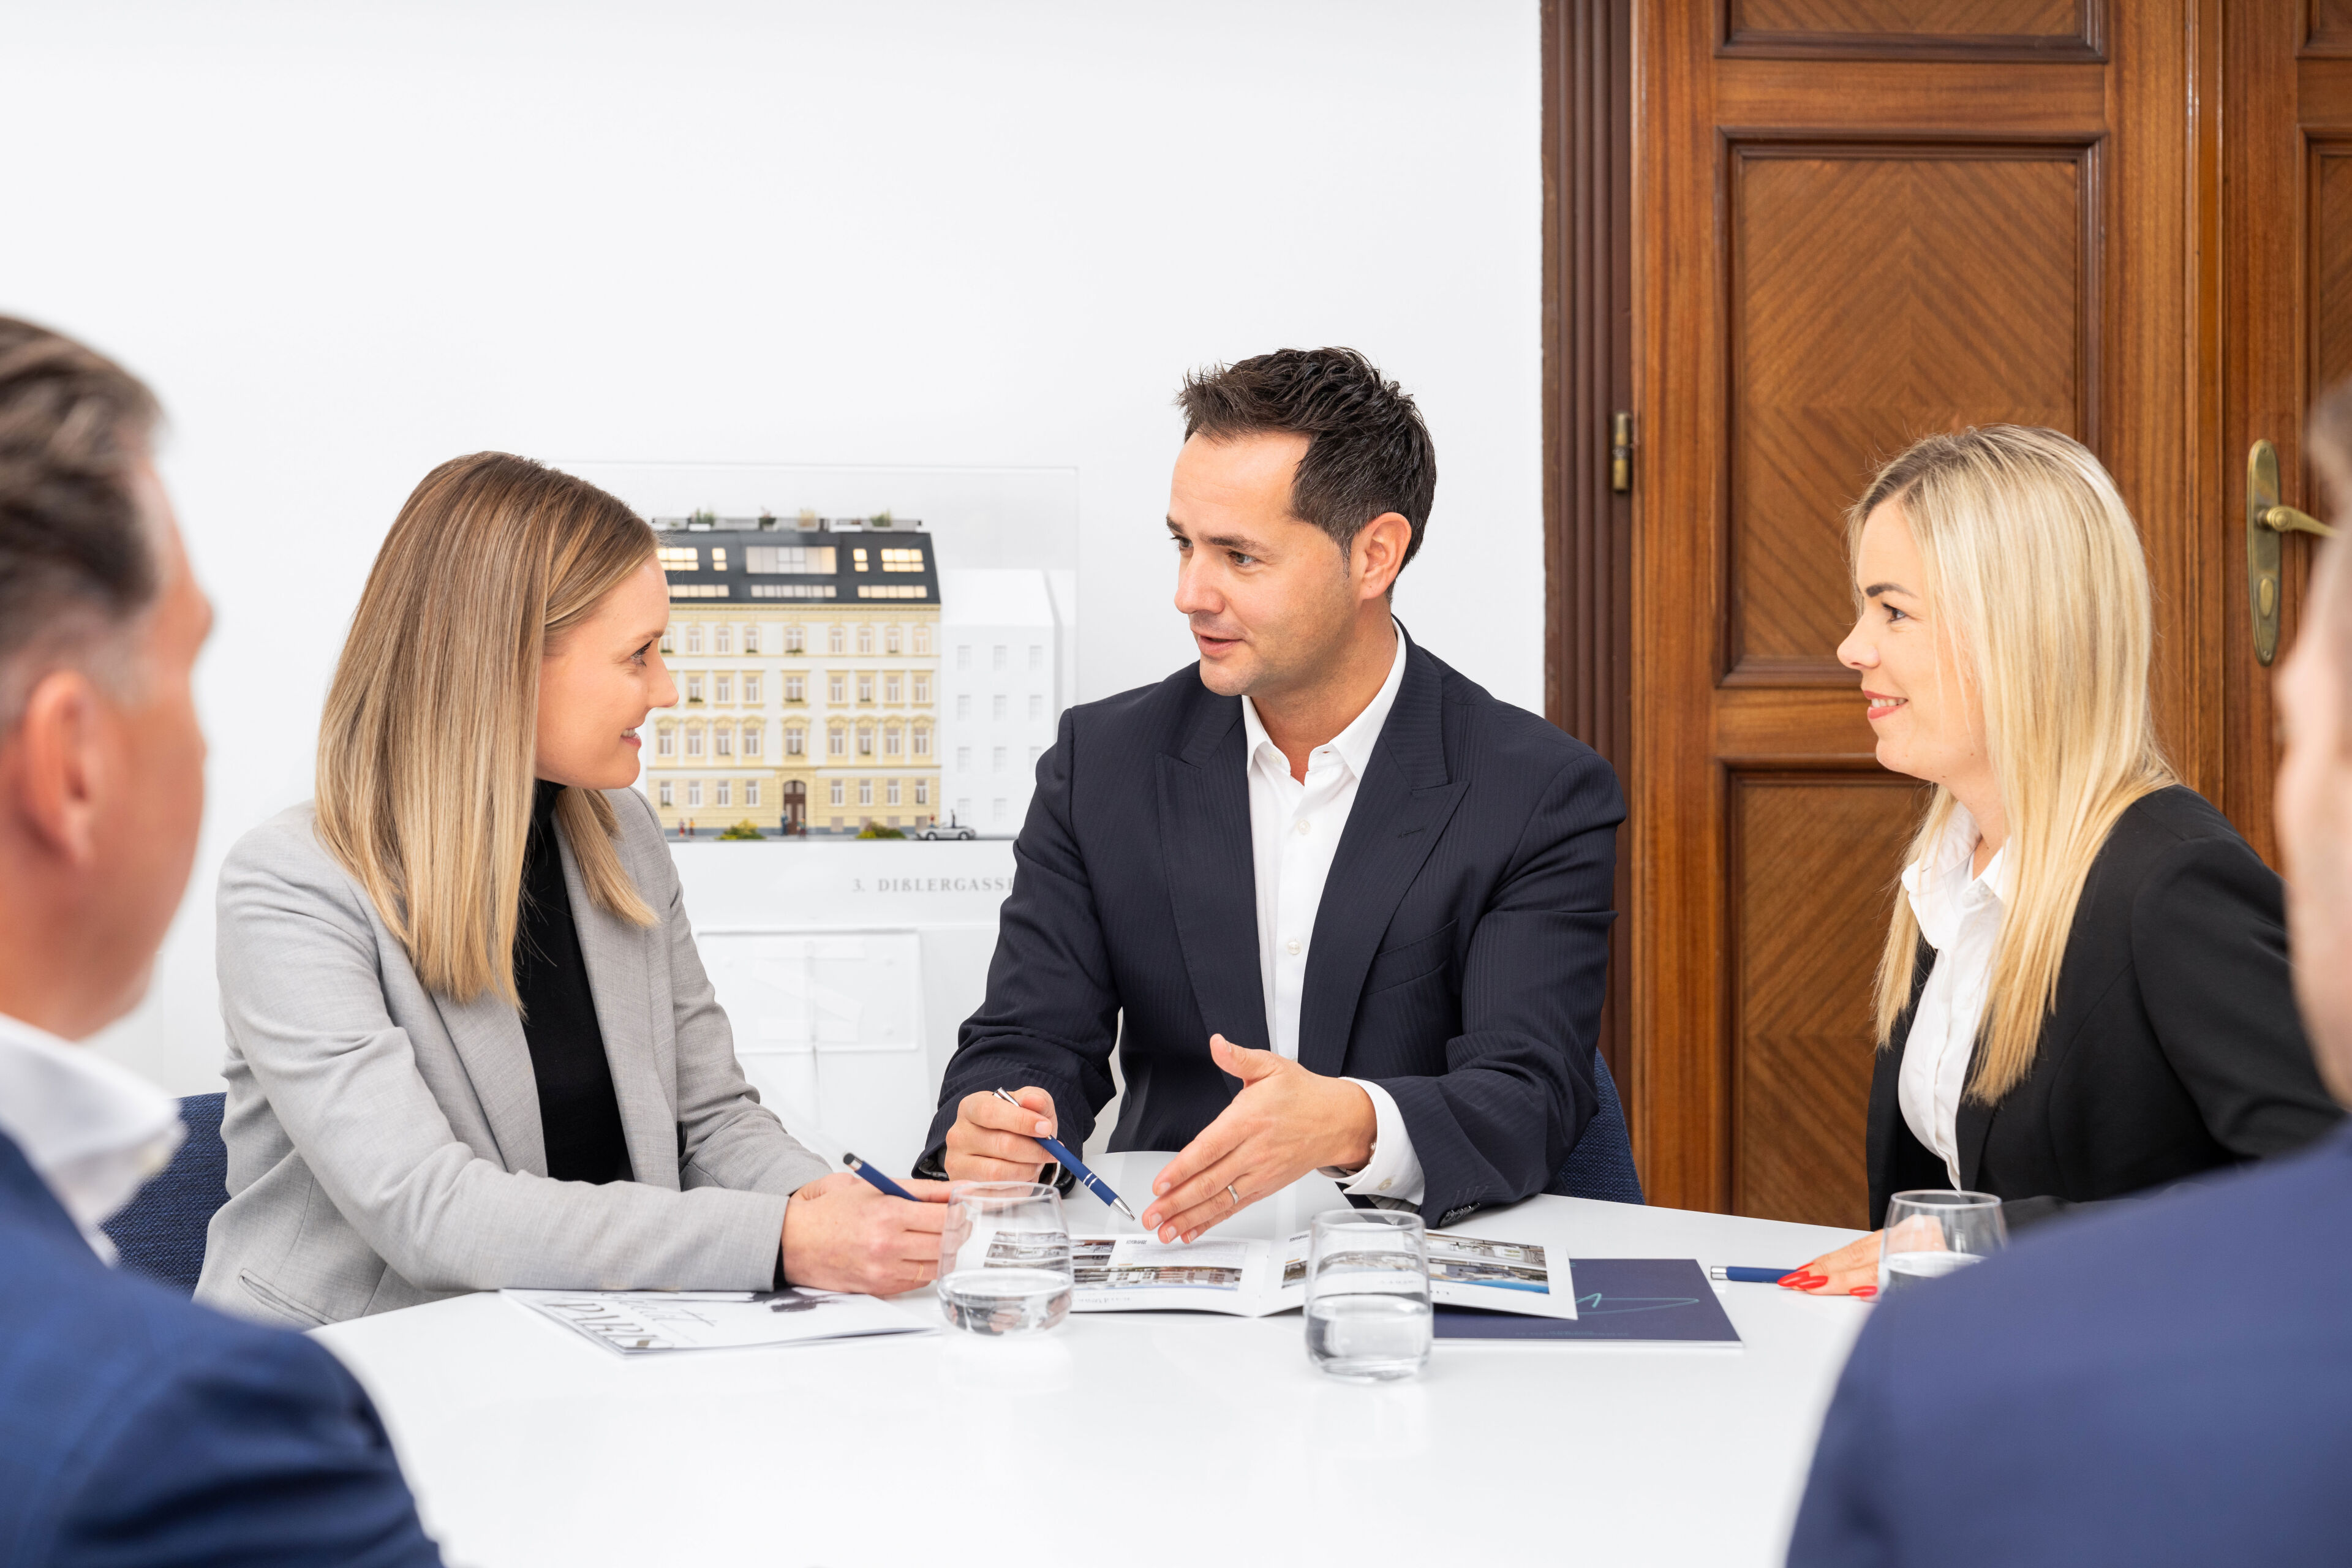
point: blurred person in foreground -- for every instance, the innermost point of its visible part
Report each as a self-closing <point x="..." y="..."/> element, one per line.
<point x="2170" y="1383"/>
<point x="134" y="1427"/>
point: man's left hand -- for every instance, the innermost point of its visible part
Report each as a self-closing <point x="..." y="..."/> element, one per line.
<point x="1284" y="1123"/>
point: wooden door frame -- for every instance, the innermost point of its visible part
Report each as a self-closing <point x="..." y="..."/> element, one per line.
<point x="1588" y="378"/>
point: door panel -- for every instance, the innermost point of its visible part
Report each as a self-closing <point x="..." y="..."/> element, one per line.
<point x="2032" y="28"/>
<point x="1803" y="990"/>
<point x="1858" y="274"/>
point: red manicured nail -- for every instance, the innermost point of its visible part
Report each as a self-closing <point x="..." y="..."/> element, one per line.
<point x="1865" y="1291"/>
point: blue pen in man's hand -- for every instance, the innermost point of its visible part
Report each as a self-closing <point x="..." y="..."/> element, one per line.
<point x="878" y="1178"/>
<point x="1070" y="1162"/>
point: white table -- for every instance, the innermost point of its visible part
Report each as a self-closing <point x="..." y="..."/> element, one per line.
<point x="1126" y="1438"/>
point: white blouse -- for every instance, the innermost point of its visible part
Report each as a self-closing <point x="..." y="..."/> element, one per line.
<point x="1959" y="914"/>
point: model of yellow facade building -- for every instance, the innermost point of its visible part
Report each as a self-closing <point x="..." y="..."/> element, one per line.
<point x="806" y="657"/>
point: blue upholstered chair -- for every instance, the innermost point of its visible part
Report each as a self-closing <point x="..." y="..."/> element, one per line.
<point x="161" y="1232"/>
<point x="1601" y="1163"/>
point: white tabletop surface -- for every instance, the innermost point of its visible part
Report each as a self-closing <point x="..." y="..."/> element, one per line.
<point x="1138" y="1437"/>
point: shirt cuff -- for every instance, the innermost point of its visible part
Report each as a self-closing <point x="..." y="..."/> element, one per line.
<point x="1393" y="1172"/>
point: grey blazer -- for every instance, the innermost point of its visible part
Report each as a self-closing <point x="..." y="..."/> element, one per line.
<point x="384" y="1145"/>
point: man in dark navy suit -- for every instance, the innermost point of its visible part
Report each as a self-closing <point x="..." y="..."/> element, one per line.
<point x="2170" y="1384"/>
<point x="136" y="1428"/>
<point x="1336" y="907"/>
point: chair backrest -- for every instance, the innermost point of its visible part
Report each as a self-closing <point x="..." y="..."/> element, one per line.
<point x="161" y="1232"/>
<point x="1601" y="1163"/>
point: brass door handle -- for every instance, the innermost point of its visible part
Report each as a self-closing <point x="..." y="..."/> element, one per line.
<point x="2265" y="520"/>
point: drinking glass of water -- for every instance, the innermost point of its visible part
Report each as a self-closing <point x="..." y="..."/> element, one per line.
<point x="1004" y="1259"/>
<point x="1932" y="1232"/>
<point x="1368" y="1316"/>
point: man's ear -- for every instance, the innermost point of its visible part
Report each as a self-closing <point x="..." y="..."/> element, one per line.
<point x="60" y="764"/>
<point x="1379" y="552"/>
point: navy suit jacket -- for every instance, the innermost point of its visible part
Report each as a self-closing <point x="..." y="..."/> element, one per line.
<point x="2169" y="1381"/>
<point x="139" y="1428"/>
<point x="1458" y="955"/>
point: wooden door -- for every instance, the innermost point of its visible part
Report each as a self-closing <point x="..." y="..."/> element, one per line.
<point x="2284" y="228"/>
<point x="1858" y="221"/>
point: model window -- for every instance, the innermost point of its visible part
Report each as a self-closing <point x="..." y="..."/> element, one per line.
<point x="793" y="741"/>
<point x="794" y="686"/>
<point x="722" y="641"/>
<point x="750" y="791"/>
<point x="922" y="742"/>
<point x="922" y="792"/>
<point x="694" y="792"/>
<point x="833" y="639"/>
<point x="694" y="742"/>
<point x="694" y="688"/>
<point x="726" y="792"/>
<point x="751" y="733"/>
<point x="865" y="792"/>
<point x="665" y="744"/>
<point x="750" y="689"/>
<point x="834" y="745"/>
<point x="723" y="687"/>
<point x="664" y="792"/>
<point x="837" y="791"/>
<point x="922" y="688"/>
<point x="889" y="639"/>
<point x="835" y="688"/>
<point x="890" y="742"/>
<point x="890" y="687"/>
<point x="694" y="639"/>
<point x="891" y="792"/>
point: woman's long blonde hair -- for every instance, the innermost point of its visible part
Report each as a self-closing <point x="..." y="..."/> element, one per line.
<point x="2034" y="571"/>
<point x="427" y="753"/>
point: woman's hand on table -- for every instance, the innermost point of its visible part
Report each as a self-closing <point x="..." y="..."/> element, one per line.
<point x="841" y="1234"/>
<point x="1851" y="1270"/>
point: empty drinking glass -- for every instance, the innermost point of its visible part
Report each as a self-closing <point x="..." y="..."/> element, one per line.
<point x="1931" y="1233"/>
<point x="1367" y="1315"/>
<point x="1004" y="1259"/>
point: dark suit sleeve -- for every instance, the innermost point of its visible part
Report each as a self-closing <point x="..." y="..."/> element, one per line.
<point x="1844" y="1520"/>
<point x="1517" y="1088"/>
<point x="1050" y="1015"/>
<point x="2208" y="949"/>
<point x="258" y="1449"/>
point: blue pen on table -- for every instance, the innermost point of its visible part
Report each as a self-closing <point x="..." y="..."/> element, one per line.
<point x="1070" y="1162"/>
<point x="1751" y="1276"/>
<point x="878" y="1178"/>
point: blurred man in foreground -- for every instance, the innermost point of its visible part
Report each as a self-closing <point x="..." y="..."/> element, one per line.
<point x="2168" y="1384"/>
<point x="134" y="1426"/>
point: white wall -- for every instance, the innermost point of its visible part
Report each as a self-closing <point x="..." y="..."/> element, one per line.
<point x="347" y="242"/>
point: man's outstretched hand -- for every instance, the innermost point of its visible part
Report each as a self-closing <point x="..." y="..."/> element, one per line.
<point x="1284" y="1123"/>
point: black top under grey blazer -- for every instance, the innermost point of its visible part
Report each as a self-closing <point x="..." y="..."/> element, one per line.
<point x="2174" y="1047"/>
<point x="1458" y="954"/>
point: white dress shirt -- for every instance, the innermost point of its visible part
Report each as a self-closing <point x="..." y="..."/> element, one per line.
<point x="1959" y="914"/>
<point x="1295" y="831"/>
<point x="93" y="1132"/>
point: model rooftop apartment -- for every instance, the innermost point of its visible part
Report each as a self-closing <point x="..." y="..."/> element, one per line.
<point x="806" y="660"/>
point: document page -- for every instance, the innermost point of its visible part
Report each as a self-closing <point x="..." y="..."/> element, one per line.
<point x="650" y="1322"/>
<point x="1250" y="1278"/>
<point x="1141" y="1274"/>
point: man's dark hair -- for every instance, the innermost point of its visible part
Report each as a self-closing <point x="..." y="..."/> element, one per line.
<point x="1367" y="450"/>
<point x="76" y="560"/>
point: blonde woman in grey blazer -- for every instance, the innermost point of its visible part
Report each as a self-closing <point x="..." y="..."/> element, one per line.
<point x="389" y="1089"/>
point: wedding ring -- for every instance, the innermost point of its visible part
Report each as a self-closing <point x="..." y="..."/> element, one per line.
<point x="1233" y="1195"/>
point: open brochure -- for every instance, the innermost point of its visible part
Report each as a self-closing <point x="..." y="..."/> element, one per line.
<point x="647" y="1322"/>
<point x="1252" y="1278"/>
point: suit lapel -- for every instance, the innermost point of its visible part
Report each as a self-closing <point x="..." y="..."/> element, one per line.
<point x="1971" y="1126"/>
<point x="487" y="1034"/>
<point x="1204" y="816"/>
<point x="1402" y="806"/>
<point x="642" y="1066"/>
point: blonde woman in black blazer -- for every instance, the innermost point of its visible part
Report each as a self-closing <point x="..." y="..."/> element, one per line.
<point x="2084" y="990"/>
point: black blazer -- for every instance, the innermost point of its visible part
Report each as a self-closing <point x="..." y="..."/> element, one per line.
<point x="2174" y="1048"/>
<point x="1458" y="957"/>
